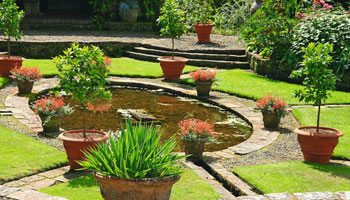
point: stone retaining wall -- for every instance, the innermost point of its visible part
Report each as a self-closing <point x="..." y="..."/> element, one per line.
<point x="280" y="71"/>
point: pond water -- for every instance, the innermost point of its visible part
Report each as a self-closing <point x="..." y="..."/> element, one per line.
<point x="168" y="109"/>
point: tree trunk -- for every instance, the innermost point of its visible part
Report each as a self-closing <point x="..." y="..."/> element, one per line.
<point x="172" y="48"/>
<point x="84" y="120"/>
<point x="318" y="117"/>
<point x="8" y="47"/>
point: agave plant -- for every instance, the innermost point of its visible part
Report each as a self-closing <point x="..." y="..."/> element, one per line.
<point x="136" y="153"/>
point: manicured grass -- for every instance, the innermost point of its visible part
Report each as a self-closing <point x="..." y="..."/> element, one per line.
<point x="120" y="67"/>
<point x="330" y="117"/>
<point x="3" y="81"/>
<point x="190" y="186"/>
<point x="295" y="177"/>
<point x="249" y="85"/>
<point x="22" y="155"/>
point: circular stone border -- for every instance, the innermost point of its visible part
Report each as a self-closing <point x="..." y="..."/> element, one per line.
<point x="260" y="137"/>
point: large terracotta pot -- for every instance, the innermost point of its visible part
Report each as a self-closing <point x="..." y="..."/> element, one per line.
<point x="203" y="88"/>
<point x="25" y="87"/>
<point x="172" y="69"/>
<point x="271" y="120"/>
<point x="135" y="189"/>
<point x="203" y="31"/>
<point x="75" y="146"/>
<point x="194" y="149"/>
<point x="6" y="64"/>
<point x="317" y="147"/>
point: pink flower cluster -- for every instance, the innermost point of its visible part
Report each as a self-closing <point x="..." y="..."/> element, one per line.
<point x="51" y="103"/>
<point x="273" y="104"/>
<point x="196" y="126"/>
<point x="26" y="74"/>
<point x="316" y="4"/>
<point x="324" y="4"/>
<point x="203" y="75"/>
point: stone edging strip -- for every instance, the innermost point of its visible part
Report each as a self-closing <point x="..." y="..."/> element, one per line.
<point x="300" y="196"/>
<point x="11" y="193"/>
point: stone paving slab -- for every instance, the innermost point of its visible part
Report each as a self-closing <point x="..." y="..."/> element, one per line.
<point x="7" y="193"/>
<point x="300" y="196"/>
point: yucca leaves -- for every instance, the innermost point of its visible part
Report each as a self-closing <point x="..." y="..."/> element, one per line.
<point x="136" y="153"/>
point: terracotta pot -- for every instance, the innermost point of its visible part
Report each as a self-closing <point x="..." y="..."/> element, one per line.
<point x="25" y="87"/>
<point x="135" y="189"/>
<point x="74" y="147"/>
<point x="203" y="31"/>
<point x="194" y="149"/>
<point x="317" y="147"/>
<point x="6" y="64"/>
<point x="172" y="69"/>
<point x="203" y="88"/>
<point x="271" y="120"/>
<point x="53" y="125"/>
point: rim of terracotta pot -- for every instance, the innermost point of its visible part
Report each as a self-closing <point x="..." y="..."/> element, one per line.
<point x="65" y="138"/>
<point x="169" y="59"/>
<point x="204" y="24"/>
<point x="303" y="131"/>
<point x="5" y="57"/>
<point x="204" y="82"/>
<point x="139" y="180"/>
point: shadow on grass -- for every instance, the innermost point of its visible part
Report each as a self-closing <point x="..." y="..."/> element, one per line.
<point x="338" y="170"/>
<point x="83" y="181"/>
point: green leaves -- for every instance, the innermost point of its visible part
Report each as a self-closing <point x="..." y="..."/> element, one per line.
<point x="136" y="153"/>
<point x="10" y="19"/>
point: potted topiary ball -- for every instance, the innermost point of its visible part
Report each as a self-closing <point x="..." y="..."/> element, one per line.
<point x="135" y="165"/>
<point x="317" y="143"/>
<point x="204" y="79"/>
<point x="83" y="74"/>
<point x="9" y="25"/>
<point x="203" y="20"/>
<point x="172" y="23"/>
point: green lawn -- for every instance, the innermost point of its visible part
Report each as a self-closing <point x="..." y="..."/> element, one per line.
<point x="3" y="81"/>
<point x="246" y="84"/>
<point x="22" y="155"/>
<point x="295" y="177"/>
<point x="120" y="67"/>
<point x="190" y="186"/>
<point x="330" y="117"/>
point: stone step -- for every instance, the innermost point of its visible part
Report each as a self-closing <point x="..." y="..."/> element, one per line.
<point x="196" y="62"/>
<point x="237" y="51"/>
<point x="191" y="55"/>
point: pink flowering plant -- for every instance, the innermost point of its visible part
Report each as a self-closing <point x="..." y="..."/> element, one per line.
<point x="203" y="75"/>
<point x="26" y="74"/>
<point x="51" y="106"/>
<point x="195" y="130"/>
<point x="272" y="105"/>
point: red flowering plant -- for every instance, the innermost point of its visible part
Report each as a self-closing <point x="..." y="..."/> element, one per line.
<point x="51" y="106"/>
<point x="195" y="130"/>
<point x="203" y="75"/>
<point x="272" y="104"/>
<point x="26" y="74"/>
<point x="317" y="5"/>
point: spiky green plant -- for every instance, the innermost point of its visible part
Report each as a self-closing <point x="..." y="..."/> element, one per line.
<point x="136" y="153"/>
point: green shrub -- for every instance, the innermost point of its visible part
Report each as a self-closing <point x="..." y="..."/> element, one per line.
<point x="269" y="31"/>
<point x="196" y="11"/>
<point x="103" y="11"/>
<point x="136" y="153"/>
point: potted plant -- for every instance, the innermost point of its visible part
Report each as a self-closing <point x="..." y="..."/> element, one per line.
<point x="203" y="21"/>
<point x="25" y="78"/>
<point x="272" y="109"/>
<point x="317" y="143"/>
<point x="135" y="165"/>
<point x="50" y="110"/>
<point x="129" y="10"/>
<point x="9" y="25"/>
<point x="172" y="23"/>
<point x="195" y="133"/>
<point x="83" y="73"/>
<point x="204" y="79"/>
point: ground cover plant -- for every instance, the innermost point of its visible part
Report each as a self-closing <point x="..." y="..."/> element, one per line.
<point x="249" y="85"/>
<point x="190" y="186"/>
<point x="3" y="81"/>
<point x="304" y="177"/>
<point x="119" y="67"/>
<point x="22" y="155"/>
<point x="331" y="117"/>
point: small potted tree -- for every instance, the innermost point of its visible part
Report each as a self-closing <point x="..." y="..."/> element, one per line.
<point x="272" y="109"/>
<point x="83" y="74"/>
<point x="25" y="78"/>
<point x="317" y="143"/>
<point x="50" y="110"/>
<point x="135" y="164"/>
<point x="9" y="25"/>
<point x="204" y="79"/>
<point x="195" y="133"/>
<point x="203" y="20"/>
<point x="172" y="23"/>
